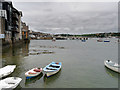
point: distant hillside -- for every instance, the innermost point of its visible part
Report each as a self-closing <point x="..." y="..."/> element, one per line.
<point x="92" y="35"/>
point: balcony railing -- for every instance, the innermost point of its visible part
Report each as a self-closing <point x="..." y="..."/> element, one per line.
<point x="15" y="16"/>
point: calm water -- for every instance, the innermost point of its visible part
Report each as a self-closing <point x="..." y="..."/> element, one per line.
<point x="83" y="63"/>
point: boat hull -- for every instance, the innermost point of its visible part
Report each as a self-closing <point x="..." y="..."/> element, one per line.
<point x="111" y="67"/>
<point x="49" y="74"/>
<point x="52" y="69"/>
<point x="106" y="41"/>
<point x="9" y="83"/>
<point x="28" y="76"/>
<point x="7" y="70"/>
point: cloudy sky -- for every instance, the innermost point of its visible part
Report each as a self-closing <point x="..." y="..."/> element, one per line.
<point x="65" y="0"/>
<point x="69" y="17"/>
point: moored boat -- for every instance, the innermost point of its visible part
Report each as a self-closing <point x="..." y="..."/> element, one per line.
<point x="33" y="73"/>
<point x="99" y="40"/>
<point x="106" y="40"/>
<point x="52" y="68"/>
<point x="9" y="83"/>
<point x="5" y="71"/>
<point x="54" y="39"/>
<point x="83" y="40"/>
<point x="112" y="65"/>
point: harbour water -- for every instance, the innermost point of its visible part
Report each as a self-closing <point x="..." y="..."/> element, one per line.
<point x="82" y="63"/>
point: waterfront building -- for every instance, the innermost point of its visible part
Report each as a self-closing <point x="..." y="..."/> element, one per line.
<point x="16" y="20"/>
<point x="10" y="19"/>
<point x="2" y="24"/>
<point x="20" y="25"/>
<point x="6" y="11"/>
<point x="6" y="38"/>
<point x="25" y="31"/>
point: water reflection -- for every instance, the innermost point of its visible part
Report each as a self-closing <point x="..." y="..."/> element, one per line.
<point x="0" y="53"/>
<point x="52" y="78"/>
<point x="18" y="88"/>
<point x="111" y="73"/>
<point x="13" y="55"/>
<point x="33" y="80"/>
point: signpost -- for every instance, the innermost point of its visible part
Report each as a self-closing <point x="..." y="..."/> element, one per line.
<point x="2" y="36"/>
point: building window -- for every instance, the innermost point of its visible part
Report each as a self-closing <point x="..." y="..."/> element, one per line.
<point x="10" y="9"/>
<point x="0" y="5"/>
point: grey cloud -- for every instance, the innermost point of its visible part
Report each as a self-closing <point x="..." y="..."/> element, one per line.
<point x="70" y="17"/>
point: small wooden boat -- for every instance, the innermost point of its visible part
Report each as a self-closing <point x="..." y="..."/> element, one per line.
<point x="9" y="83"/>
<point x="33" y="73"/>
<point x="5" y="71"/>
<point x="112" y="65"/>
<point x="52" y="68"/>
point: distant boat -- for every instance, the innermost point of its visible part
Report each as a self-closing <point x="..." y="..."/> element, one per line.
<point x="99" y="40"/>
<point x="33" y="73"/>
<point x="5" y="71"/>
<point x="83" y="40"/>
<point x="106" y="40"/>
<point x="118" y="40"/>
<point x="54" y="39"/>
<point x="9" y="83"/>
<point x="112" y="65"/>
<point x="52" y="68"/>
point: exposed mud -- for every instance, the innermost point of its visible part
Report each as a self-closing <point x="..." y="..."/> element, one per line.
<point x="37" y="52"/>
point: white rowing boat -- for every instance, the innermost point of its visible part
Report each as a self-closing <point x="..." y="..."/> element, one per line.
<point x="112" y="65"/>
<point x="9" y="83"/>
<point x="33" y="73"/>
<point x="5" y="71"/>
<point x="52" y="68"/>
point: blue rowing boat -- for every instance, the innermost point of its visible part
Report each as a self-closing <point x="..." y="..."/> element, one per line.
<point x="52" y="68"/>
